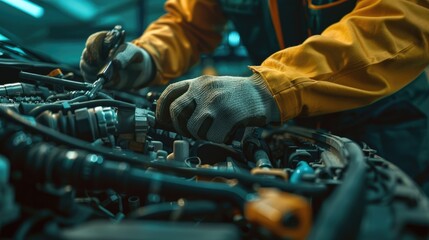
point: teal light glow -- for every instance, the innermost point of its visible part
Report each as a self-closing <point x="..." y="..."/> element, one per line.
<point x="234" y="38"/>
<point x="27" y="7"/>
<point x="3" y="38"/>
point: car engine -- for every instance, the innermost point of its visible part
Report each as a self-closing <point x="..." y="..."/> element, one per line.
<point x="99" y="167"/>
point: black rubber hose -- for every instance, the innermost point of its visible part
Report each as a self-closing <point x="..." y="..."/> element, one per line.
<point x="55" y="81"/>
<point x="82" y="98"/>
<point x="341" y="214"/>
<point x="94" y="103"/>
<point x="61" y="96"/>
<point x="102" y="95"/>
<point x="36" y="128"/>
<point x="39" y="109"/>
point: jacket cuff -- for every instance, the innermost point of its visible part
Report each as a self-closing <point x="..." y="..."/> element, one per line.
<point x="286" y="103"/>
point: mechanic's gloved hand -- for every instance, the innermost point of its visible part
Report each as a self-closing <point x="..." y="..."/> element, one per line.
<point x="212" y="107"/>
<point x="133" y="65"/>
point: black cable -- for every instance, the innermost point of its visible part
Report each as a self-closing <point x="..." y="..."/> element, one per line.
<point x="55" y="81"/>
<point x="78" y="99"/>
<point x="39" y="109"/>
<point x="94" y="103"/>
<point x="104" y="96"/>
<point x="58" y="96"/>
<point x="342" y="212"/>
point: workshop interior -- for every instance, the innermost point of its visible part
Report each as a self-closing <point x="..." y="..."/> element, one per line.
<point x="79" y="161"/>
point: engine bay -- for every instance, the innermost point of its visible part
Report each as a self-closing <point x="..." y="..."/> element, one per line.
<point x="76" y="168"/>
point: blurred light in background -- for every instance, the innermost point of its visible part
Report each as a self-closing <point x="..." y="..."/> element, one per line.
<point x="26" y="6"/>
<point x="83" y="9"/>
<point x="234" y="39"/>
<point x="3" y="38"/>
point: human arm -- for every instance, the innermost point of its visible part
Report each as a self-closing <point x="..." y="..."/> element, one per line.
<point x="166" y="50"/>
<point x="372" y="52"/>
<point x="176" y="40"/>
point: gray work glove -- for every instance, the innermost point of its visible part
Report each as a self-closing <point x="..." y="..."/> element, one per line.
<point x="212" y="107"/>
<point x="133" y="66"/>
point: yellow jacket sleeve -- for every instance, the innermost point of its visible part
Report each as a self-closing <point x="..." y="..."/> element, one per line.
<point x="176" y="40"/>
<point x="375" y="50"/>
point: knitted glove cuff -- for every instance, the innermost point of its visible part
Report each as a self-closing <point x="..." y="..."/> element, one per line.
<point x="272" y="109"/>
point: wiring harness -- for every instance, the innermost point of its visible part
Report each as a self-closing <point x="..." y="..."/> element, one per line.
<point x="78" y="167"/>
